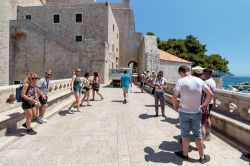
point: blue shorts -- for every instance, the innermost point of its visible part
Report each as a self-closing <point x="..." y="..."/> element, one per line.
<point x="190" y="122"/>
<point x="77" y="89"/>
<point x="125" y="89"/>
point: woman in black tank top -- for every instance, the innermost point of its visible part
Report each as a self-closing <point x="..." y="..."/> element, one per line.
<point x="30" y="101"/>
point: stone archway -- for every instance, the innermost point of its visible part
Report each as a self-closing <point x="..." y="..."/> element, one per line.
<point x="134" y="66"/>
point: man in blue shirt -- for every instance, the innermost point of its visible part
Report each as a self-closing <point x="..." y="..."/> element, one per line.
<point x="125" y="83"/>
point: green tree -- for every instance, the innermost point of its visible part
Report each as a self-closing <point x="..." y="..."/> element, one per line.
<point x="150" y="34"/>
<point x="193" y="50"/>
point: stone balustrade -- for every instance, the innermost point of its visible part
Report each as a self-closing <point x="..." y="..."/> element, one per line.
<point x="230" y="116"/>
<point x="233" y="104"/>
<point x="8" y="93"/>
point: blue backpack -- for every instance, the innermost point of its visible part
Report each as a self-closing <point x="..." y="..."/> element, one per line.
<point x="19" y="94"/>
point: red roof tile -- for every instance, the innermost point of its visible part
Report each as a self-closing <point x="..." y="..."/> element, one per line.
<point x="169" y="57"/>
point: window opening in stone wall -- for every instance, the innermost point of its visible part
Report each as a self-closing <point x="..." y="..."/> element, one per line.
<point x="78" y="38"/>
<point x="28" y="17"/>
<point x="56" y="18"/>
<point x="113" y="47"/>
<point x="78" y="17"/>
<point x="117" y="36"/>
<point x="113" y="27"/>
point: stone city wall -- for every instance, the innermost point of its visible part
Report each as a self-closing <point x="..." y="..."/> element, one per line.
<point x="68" y="2"/>
<point x="51" y="50"/>
<point x="149" y="57"/>
<point x="170" y="69"/>
<point x="8" y="11"/>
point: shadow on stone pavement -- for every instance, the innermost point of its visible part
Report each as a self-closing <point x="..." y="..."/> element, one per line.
<point x="178" y="138"/>
<point x="117" y="101"/>
<point x="149" y="105"/>
<point x="161" y="157"/>
<point x="18" y="133"/>
<point x="246" y="157"/>
<point x="171" y="120"/>
<point x="174" y="146"/>
<point x="63" y="113"/>
<point x="146" y="116"/>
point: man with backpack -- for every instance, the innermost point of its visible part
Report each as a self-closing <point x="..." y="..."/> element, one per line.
<point x="43" y="86"/>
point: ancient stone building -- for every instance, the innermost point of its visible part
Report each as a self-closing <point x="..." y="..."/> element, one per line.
<point x="65" y="34"/>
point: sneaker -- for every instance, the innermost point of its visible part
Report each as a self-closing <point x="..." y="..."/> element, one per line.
<point x="81" y="105"/>
<point x="156" y="115"/>
<point x="164" y="116"/>
<point x="43" y="120"/>
<point x="205" y="159"/>
<point x="125" y="101"/>
<point x="208" y="138"/>
<point x="180" y="154"/>
<point x="24" y="125"/>
<point x="70" y="112"/>
<point x="31" y="131"/>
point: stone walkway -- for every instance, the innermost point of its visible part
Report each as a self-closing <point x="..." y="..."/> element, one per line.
<point x="112" y="134"/>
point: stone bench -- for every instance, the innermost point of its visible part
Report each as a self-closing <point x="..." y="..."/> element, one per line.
<point x="11" y="114"/>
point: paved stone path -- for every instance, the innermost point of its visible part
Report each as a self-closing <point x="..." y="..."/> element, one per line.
<point x="112" y="134"/>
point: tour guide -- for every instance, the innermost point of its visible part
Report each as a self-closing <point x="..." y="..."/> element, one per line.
<point x="125" y="82"/>
<point x="190" y="90"/>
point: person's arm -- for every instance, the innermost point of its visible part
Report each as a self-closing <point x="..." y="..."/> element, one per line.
<point x="72" y="83"/>
<point x="24" y="96"/>
<point x="36" y="96"/>
<point x="176" y="94"/>
<point x="40" y="93"/>
<point x="209" y="96"/>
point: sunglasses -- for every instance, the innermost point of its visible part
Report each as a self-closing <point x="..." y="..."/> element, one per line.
<point x="35" y="78"/>
<point x="49" y="74"/>
<point x="160" y="75"/>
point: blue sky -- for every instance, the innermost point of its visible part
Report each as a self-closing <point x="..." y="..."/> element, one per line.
<point x="223" y="25"/>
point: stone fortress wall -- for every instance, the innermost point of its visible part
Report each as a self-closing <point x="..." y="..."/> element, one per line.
<point x="8" y="11"/>
<point x="108" y="31"/>
<point x="98" y="28"/>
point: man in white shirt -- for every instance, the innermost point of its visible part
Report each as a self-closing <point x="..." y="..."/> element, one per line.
<point x="207" y="76"/>
<point x="190" y="89"/>
<point x="43" y="85"/>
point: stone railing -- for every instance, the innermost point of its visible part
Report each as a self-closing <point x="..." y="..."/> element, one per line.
<point x="230" y="116"/>
<point x="8" y="93"/>
<point x="233" y="104"/>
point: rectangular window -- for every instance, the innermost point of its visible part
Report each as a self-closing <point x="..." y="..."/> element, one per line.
<point x="56" y="18"/>
<point x="78" y="38"/>
<point x="78" y="17"/>
<point x="113" y="27"/>
<point x="113" y="47"/>
<point x="28" y="17"/>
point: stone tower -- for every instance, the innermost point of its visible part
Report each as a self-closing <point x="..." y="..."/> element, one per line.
<point x="126" y="3"/>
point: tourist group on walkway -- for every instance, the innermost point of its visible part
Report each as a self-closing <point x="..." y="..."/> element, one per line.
<point x="194" y="91"/>
<point x="34" y="95"/>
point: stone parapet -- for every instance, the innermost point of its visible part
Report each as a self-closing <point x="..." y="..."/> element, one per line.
<point x="229" y="117"/>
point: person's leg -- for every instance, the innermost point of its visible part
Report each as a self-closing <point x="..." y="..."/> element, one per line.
<point x="28" y="116"/>
<point x="87" y="97"/>
<point x="93" y="94"/>
<point x="196" y="129"/>
<point x="83" y="99"/>
<point x="99" y="94"/>
<point x="42" y="110"/>
<point x="185" y="130"/>
<point x="78" y="97"/>
<point x="162" y="102"/>
<point x="209" y="124"/>
<point x="156" y="103"/>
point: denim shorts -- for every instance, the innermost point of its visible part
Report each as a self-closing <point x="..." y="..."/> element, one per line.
<point x="125" y="89"/>
<point x="190" y="122"/>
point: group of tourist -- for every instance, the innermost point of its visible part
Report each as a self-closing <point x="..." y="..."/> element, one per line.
<point x="34" y="95"/>
<point x="195" y="93"/>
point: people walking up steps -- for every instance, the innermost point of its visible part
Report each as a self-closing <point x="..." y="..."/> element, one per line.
<point x="86" y="89"/>
<point x="76" y="88"/>
<point x="125" y="84"/>
<point x="189" y="88"/>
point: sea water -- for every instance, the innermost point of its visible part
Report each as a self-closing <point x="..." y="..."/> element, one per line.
<point x="234" y="80"/>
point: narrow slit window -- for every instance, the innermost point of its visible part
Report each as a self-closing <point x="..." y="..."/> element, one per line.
<point x="28" y="17"/>
<point x="56" y="18"/>
<point x="78" y="38"/>
<point x="78" y="17"/>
